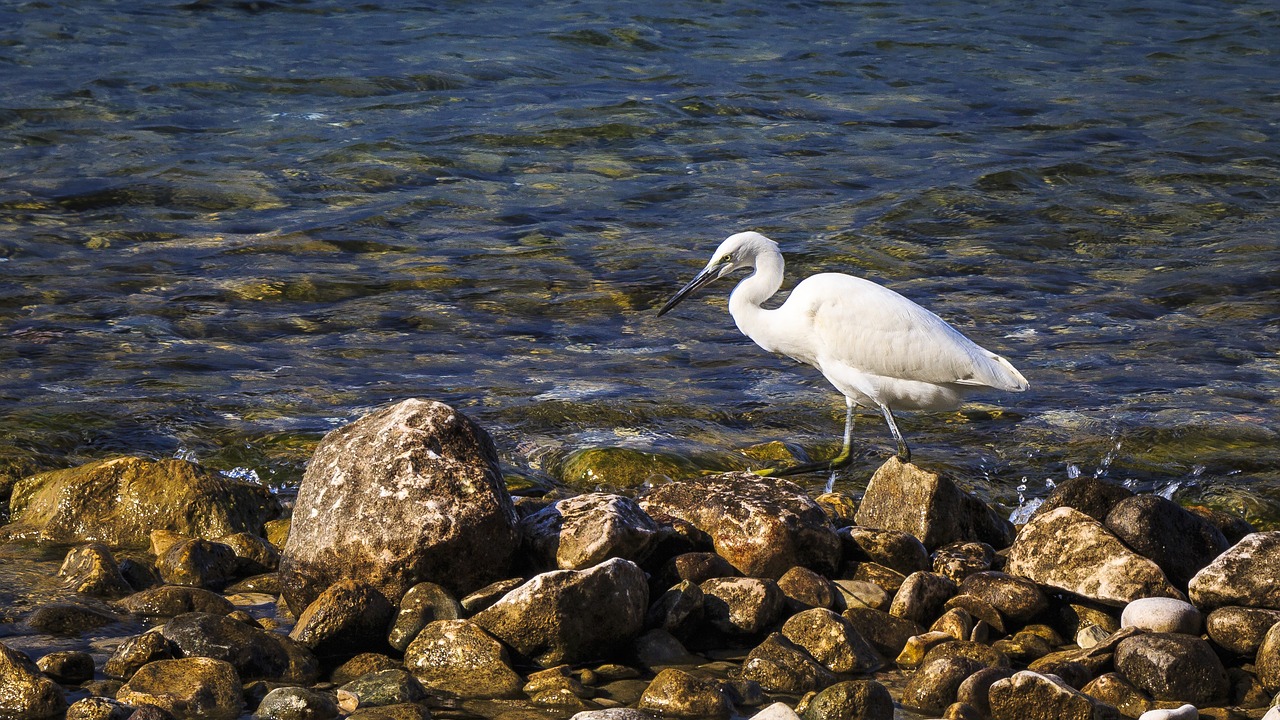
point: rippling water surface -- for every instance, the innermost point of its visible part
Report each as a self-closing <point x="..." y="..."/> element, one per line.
<point x="228" y="227"/>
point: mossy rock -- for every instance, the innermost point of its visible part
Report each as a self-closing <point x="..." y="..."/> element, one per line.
<point x="615" y="467"/>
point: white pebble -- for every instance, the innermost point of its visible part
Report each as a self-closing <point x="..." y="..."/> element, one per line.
<point x="1162" y="615"/>
<point x="1186" y="712"/>
<point x="776" y="711"/>
<point x="1272" y="714"/>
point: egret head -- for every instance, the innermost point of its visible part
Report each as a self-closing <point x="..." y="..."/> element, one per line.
<point x="737" y="252"/>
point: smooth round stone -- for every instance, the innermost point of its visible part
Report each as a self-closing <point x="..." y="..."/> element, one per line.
<point x="1186" y="712"/>
<point x="1162" y="615"/>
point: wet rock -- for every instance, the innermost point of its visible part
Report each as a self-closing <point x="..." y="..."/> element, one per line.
<point x="1176" y="540"/>
<point x="1067" y="550"/>
<point x="386" y="687"/>
<point x="902" y="496"/>
<point x="26" y="694"/>
<point x="1090" y="635"/>
<point x="659" y="647"/>
<point x="1267" y="662"/>
<point x="832" y="641"/>
<point x="804" y="589"/>
<point x="922" y="597"/>
<point x="1184" y="712"/>
<point x="137" y="651"/>
<point x="585" y="530"/>
<point x="1090" y="495"/>
<point x="894" y="549"/>
<point x="424" y="603"/>
<point x="197" y="688"/>
<point x="406" y="711"/>
<point x="572" y="615"/>
<point x="296" y="703"/>
<point x="975" y="691"/>
<point x="407" y="494"/>
<point x="617" y="713"/>
<point x="619" y="467"/>
<point x="851" y="700"/>
<point x="347" y="618"/>
<point x="860" y="594"/>
<point x="171" y="600"/>
<point x="1233" y="527"/>
<point x="955" y="622"/>
<point x="458" y="658"/>
<point x="489" y="594"/>
<point x="1162" y="615"/>
<point x="933" y="687"/>
<point x="762" y="526"/>
<point x="98" y="708"/>
<point x="741" y="605"/>
<point x="959" y="560"/>
<point x="1113" y="689"/>
<point x="121" y="500"/>
<point x="198" y="563"/>
<point x="266" y="583"/>
<point x="362" y="665"/>
<point x="91" y="569"/>
<point x="67" y="667"/>
<point x="1032" y="696"/>
<point x="981" y="653"/>
<point x="677" y="610"/>
<point x="961" y="711"/>
<point x="139" y="574"/>
<point x="913" y="653"/>
<point x="979" y="609"/>
<point x="147" y="711"/>
<point x="1170" y="666"/>
<point x="253" y="652"/>
<point x="69" y="619"/>
<point x="697" y="567"/>
<point x="780" y="665"/>
<point x="878" y="574"/>
<point x="1024" y="647"/>
<point x="776" y="711"/>
<point x="254" y="555"/>
<point x="1240" y="630"/>
<point x="886" y="633"/>
<point x="677" y="694"/>
<point x="1243" y="575"/>
<point x="557" y="680"/>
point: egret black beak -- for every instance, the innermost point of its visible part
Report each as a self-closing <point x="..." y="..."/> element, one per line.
<point x="703" y="279"/>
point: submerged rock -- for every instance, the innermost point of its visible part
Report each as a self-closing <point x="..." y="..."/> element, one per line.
<point x="1068" y="550"/>
<point x="121" y="500"/>
<point x="762" y="526"/>
<point x="932" y="508"/>
<point x="407" y="494"/>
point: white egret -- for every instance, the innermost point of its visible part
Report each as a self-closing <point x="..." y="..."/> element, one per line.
<point x="875" y="346"/>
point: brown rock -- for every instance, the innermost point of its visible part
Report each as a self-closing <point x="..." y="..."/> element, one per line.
<point x="905" y="497"/>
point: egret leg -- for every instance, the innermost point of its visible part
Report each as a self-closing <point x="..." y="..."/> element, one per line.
<point x="904" y="452"/>
<point x="834" y="463"/>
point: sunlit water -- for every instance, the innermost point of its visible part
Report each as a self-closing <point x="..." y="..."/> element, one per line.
<point x="228" y="227"/>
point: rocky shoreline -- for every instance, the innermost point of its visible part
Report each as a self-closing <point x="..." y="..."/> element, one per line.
<point x="408" y="583"/>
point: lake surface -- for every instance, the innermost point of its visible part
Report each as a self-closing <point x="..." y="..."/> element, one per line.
<point x="229" y="227"/>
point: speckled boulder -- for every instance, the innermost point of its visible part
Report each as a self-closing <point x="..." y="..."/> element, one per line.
<point x="933" y="686"/>
<point x="1068" y="550"/>
<point x="894" y="549"/>
<point x="411" y="492"/>
<point x="832" y="641"/>
<point x="91" y="569"/>
<point x="458" y="658"/>
<point x="253" y="652"/>
<point x="121" y="500"/>
<point x="922" y="597"/>
<point x="567" y="616"/>
<point x="68" y="667"/>
<point x="137" y="651"/>
<point x="296" y="703"/>
<point x="27" y="694"/>
<point x="1240" y="630"/>
<point x="762" y="526"/>
<point x="1091" y="495"/>
<point x="677" y="694"/>
<point x="347" y="618"/>
<point x="1171" y="666"/>
<point x="741" y="606"/>
<point x="851" y="700"/>
<point x="585" y="530"/>
<point x="198" y="563"/>
<point x="195" y="688"/>
<point x="1032" y="696"/>
<point x="170" y="600"/>
<point x="932" y="508"/>
<point x="1267" y="662"/>
<point x="1244" y="575"/>
<point x="780" y="665"/>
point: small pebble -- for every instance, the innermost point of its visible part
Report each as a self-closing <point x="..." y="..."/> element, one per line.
<point x="1186" y="712"/>
<point x="1091" y="635"/>
<point x="1162" y="615"/>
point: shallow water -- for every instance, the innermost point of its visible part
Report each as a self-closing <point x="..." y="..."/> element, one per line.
<point x="228" y="227"/>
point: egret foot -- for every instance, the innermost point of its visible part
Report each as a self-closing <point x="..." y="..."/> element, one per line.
<point x="835" y="463"/>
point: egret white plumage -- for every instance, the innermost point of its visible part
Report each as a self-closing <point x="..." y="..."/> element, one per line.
<point x="875" y="346"/>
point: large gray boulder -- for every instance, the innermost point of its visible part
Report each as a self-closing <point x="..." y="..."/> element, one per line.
<point x="409" y="493"/>
<point x="1244" y="575"/>
<point x="762" y="526"/>
<point x="568" y="616"/>
<point x="1068" y="550"/>
<point x="903" y="496"/>
<point x="120" y="501"/>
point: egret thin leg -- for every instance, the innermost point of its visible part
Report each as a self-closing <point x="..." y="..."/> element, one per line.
<point x="835" y="463"/>
<point x="904" y="452"/>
